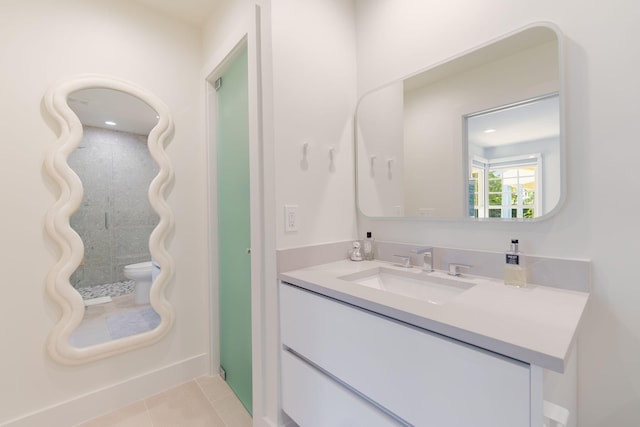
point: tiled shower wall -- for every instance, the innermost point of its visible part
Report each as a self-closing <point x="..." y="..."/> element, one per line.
<point x="115" y="218"/>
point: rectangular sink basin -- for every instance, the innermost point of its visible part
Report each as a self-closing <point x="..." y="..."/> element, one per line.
<point x="412" y="283"/>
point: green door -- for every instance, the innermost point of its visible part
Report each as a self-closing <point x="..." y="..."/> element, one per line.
<point x="234" y="228"/>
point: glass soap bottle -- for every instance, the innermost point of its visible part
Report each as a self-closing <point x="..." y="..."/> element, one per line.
<point x="515" y="273"/>
<point x="368" y="247"/>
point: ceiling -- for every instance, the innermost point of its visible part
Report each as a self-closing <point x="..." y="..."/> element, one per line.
<point x="529" y="121"/>
<point x="97" y="105"/>
<point x="192" y="11"/>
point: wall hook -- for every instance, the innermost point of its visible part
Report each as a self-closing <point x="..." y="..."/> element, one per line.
<point x="390" y="161"/>
<point x="304" y="163"/>
<point x="332" y="155"/>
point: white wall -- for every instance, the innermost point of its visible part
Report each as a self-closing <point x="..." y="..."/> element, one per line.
<point x="41" y="43"/>
<point x="395" y="38"/>
<point x="314" y="69"/>
<point x="380" y="136"/>
<point x="223" y="31"/>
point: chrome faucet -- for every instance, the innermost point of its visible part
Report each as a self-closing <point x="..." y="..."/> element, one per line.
<point x="454" y="269"/>
<point x="406" y="260"/>
<point x="427" y="257"/>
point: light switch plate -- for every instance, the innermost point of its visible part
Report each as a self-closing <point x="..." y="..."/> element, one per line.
<point x="290" y="218"/>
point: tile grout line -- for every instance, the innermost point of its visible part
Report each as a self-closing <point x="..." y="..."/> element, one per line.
<point x="148" y="412"/>
<point x="210" y="402"/>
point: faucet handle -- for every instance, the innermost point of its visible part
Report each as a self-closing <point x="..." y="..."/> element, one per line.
<point x="454" y="269"/>
<point x="406" y="260"/>
<point x="427" y="257"/>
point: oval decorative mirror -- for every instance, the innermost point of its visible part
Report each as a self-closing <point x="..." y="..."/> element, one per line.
<point x="480" y="136"/>
<point x="110" y="219"/>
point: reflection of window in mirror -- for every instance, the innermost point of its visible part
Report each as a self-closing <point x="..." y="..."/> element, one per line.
<point x="506" y="187"/>
<point x="513" y="150"/>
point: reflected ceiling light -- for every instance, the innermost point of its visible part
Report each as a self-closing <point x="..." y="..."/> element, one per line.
<point x="489" y="130"/>
<point x="110" y="123"/>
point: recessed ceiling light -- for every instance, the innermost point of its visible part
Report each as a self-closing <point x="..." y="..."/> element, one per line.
<point x="489" y="130"/>
<point x="110" y="123"/>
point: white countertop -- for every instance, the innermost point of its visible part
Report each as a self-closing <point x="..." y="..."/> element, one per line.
<point x="535" y="324"/>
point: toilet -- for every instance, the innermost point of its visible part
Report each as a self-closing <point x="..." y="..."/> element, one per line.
<point x="143" y="273"/>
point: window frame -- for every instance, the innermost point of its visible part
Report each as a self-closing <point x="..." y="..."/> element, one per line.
<point x="486" y="166"/>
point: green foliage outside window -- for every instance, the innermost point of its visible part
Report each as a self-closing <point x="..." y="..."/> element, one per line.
<point x="496" y="194"/>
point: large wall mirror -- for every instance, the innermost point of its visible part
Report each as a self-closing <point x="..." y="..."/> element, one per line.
<point x="110" y="219"/>
<point x="477" y="137"/>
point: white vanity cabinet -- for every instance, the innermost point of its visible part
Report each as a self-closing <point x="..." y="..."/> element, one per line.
<point x="346" y="366"/>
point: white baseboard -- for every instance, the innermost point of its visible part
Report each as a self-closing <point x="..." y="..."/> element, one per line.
<point x="110" y="398"/>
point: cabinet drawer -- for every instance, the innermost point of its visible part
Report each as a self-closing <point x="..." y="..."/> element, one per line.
<point x="422" y="377"/>
<point x="312" y="399"/>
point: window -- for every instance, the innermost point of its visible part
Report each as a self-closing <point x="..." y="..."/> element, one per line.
<point x="505" y="187"/>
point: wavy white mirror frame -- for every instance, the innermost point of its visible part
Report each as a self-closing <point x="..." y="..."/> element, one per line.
<point x="71" y="246"/>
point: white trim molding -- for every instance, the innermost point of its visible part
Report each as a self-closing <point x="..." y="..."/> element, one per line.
<point x="114" y="396"/>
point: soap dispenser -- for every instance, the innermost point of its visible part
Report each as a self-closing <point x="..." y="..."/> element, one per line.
<point x="368" y="247"/>
<point x="515" y="273"/>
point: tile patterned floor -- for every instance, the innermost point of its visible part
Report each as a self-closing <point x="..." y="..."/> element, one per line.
<point x="94" y="330"/>
<point x="205" y="401"/>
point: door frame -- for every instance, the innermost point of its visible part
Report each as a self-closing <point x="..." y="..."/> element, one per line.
<point x="262" y="221"/>
<point x="264" y="311"/>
